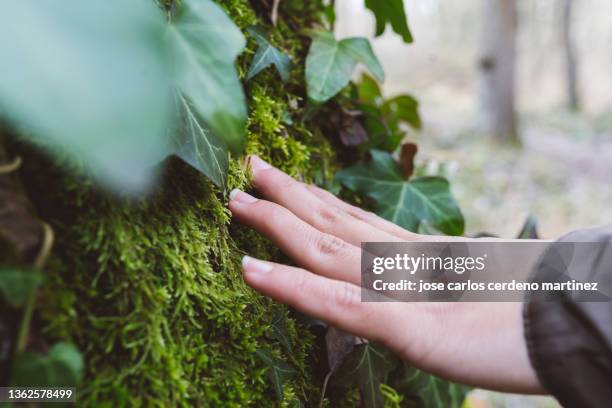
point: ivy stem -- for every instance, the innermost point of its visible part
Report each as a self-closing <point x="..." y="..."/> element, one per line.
<point x="10" y="167"/>
<point x="274" y="15"/>
<point x="24" y="325"/>
<point x="26" y="318"/>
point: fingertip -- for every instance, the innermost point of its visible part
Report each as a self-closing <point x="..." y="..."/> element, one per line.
<point x="233" y="193"/>
<point x="239" y="196"/>
<point x="257" y="164"/>
<point x="254" y="271"/>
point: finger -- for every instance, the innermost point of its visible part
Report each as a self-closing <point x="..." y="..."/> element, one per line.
<point x="322" y="253"/>
<point x="284" y="190"/>
<point x="364" y="216"/>
<point x="335" y="302"/>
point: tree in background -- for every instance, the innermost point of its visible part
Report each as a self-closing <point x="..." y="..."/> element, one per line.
<point x="569" y="49"/>
<point x="497" y="65"/>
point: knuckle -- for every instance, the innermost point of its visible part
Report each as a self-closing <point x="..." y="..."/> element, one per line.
<point x="345" y="295"/>
<point x="328" y="244"/>
<point x="327" y="215"/>
<point x="300" y="283"/>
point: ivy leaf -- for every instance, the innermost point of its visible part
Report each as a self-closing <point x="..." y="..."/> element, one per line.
<point x="82" y="77"/>
<point x="530" y="229"/>
<point x="368" y="90"/>
<point x="424" y="390"/>
<point x="404" y="108"/>
<point x="61" y="367"/>
<point x="368" y="367"/>
<point x="278" y="371"/>
<point x="330" y="64"/>
<point x="392" y="12"/>
<point x="197" y="145"/>
<point x="406" y="203"/>
<point x="16" y="285"/>
<point x="267" y="55"/>
<point x="339" y="345"/>
<point x="206" y="42"/>
<point x="280" y="332"/>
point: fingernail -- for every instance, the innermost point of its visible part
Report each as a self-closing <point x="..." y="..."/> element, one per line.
<point x="252" y="265"/>
<point x="258" y="164"/>
<point x="241" y="197"/>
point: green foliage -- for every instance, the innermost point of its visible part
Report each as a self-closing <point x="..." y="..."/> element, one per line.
<point x="406" y="203"/>
<point x="392" y="398"/>
<point x="403" y="108"/>
<point x="91" y="98"/>
<point x="196" y="144"/>
<point x="331" y="63"/>
<point x="529" y="229"/>
<point x="61" y="367"/>
<point x="109" y="78"/>
<point x="278" y="371"/>
<point x="390" y="12"/>
<point x="267" y="55"/>
<point x="383" y="118"/>
<point x="369" y="91"/>
<point x="17" y="285"/>
<point x="205" y="42"/>
<point x="280" y="332"/>
<point x="367" y="367"/>
<point x="423" y="390"/>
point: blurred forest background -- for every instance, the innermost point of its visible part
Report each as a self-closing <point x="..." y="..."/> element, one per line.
<point x="560" y="169"/>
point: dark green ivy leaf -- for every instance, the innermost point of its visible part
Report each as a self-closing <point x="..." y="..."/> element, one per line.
<point x="279" y="331"/>
<point x="404" y="108"/>
<point x="424" y="390"/>
<point x="406" y="203"/>
<point x="16" y="285"/>
<point x="278" y="370"/>
<point x="61" y="367"/>
<point x="197" y="145"/>
<point x="392" y="12"/>
<point x="90" y="78"/>
<point x="330" y="64"/>
<point x="267" y="55"/>
<point x="206" y="42"/>
<point x="369" y="91"/>
<point x="367" y="366"/>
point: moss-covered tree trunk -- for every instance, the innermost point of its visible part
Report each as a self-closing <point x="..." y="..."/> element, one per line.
<point x="150" y="289"/>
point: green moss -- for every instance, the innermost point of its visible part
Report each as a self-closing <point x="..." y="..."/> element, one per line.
<point x="151" y="289"/>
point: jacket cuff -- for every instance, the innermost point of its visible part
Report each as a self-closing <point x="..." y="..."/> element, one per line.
<point x="570" y="343"/>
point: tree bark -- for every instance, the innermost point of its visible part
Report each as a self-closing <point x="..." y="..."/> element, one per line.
<point x="571" y="68"/>
<point x="497" y="67"/>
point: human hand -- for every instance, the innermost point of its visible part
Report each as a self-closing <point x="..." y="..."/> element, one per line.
<point x="479" y="344"/>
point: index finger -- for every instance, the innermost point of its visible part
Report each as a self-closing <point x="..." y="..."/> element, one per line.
<point x="282" y="189"/>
